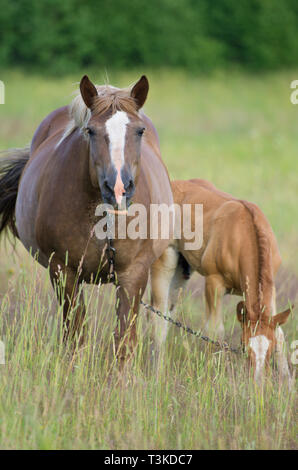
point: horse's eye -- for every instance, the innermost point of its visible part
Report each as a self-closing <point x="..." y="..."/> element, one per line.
<point x="141" y="131"/>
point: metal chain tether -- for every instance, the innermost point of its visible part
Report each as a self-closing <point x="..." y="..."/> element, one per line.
<point x="111" y="252"/>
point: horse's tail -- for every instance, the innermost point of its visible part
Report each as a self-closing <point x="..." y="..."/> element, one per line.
<point x="11" y="168"/>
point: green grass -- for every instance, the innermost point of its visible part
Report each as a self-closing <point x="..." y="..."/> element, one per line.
<point x="238" y="131"/>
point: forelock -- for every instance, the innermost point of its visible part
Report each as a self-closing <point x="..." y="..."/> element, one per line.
<point x="109" y="98"/>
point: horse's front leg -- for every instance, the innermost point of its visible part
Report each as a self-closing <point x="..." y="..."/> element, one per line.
<point x="131" y="286"/>
<point x="69" y="294"/>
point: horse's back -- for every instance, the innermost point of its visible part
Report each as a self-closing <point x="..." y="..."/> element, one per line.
<point x="52" y="123"/>
<point x="228" y="224"/>
<point x="33" y="180"/>
<point x="199" y="189"/>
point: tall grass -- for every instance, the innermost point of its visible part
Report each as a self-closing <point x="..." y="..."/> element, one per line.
<point x="54" y="398"/>
<point x="238" y="131"/>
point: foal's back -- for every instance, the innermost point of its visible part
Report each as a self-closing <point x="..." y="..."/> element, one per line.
<point x="229" y="235"/>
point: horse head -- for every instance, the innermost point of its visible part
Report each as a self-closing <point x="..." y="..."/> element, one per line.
<point x="259" y="336"/>
<point x="114" y="132"/>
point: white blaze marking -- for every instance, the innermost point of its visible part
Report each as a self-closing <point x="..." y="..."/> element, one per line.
<point x="259" y="345"/>
<point x="116" y="130"/>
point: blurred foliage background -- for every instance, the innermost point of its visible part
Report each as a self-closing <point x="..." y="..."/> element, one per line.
<point x="199" y="35"/>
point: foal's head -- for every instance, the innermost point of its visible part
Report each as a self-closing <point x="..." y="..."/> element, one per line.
<point x="114" y="131"/>
<point x="259" y="337"/>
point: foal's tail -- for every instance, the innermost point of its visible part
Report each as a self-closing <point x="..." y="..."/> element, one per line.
<point x="11" y="168"/>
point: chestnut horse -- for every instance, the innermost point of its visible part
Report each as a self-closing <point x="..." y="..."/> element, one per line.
<point x="100" y="149"/>
<point x="239" y="255"/>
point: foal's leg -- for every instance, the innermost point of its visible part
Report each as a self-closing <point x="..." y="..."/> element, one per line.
<point x="281" y="358"/>
<point x="214" y="291"/>
<point x="162" y="273"/>
<point x="70" y="295"/>
<point x="130" y="290"/>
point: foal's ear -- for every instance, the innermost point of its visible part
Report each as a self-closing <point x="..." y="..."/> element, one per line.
<point x="282" y="317"/>
<point x="241" y="312"/>
<point x="88" y="91"/>
<point x="140" y="91"/>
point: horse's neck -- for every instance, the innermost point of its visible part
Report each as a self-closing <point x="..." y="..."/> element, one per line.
<point x="258" y="294"/>
<point x="78" y="159"/>
<point x="151" y="135"/>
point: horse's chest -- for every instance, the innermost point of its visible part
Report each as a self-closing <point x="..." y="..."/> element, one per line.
<point x="96" y="259"/>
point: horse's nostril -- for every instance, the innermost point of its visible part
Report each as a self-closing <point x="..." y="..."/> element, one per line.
<point x="107" y="186"/>
<point x="129" y="186"/>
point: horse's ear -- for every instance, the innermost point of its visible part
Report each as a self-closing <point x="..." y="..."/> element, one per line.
<point x="282" y="317"/>
<point x="88" y="91"/>
<point x="241" y="312"/>
<point x="140" y="91"/>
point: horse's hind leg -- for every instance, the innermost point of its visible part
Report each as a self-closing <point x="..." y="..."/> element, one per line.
<point x="214" y="291"/>
<point x="70" y="295"/>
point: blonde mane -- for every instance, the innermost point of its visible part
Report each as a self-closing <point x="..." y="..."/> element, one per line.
<point x="109" y="97"/>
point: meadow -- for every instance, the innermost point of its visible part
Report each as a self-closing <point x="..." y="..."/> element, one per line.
<point x="238" y="131"/>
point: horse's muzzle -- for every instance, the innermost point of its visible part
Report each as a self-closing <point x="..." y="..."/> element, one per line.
<point x="117" y="192"/>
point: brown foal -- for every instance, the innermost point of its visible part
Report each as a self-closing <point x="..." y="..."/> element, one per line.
<point x="239" y="255"/>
